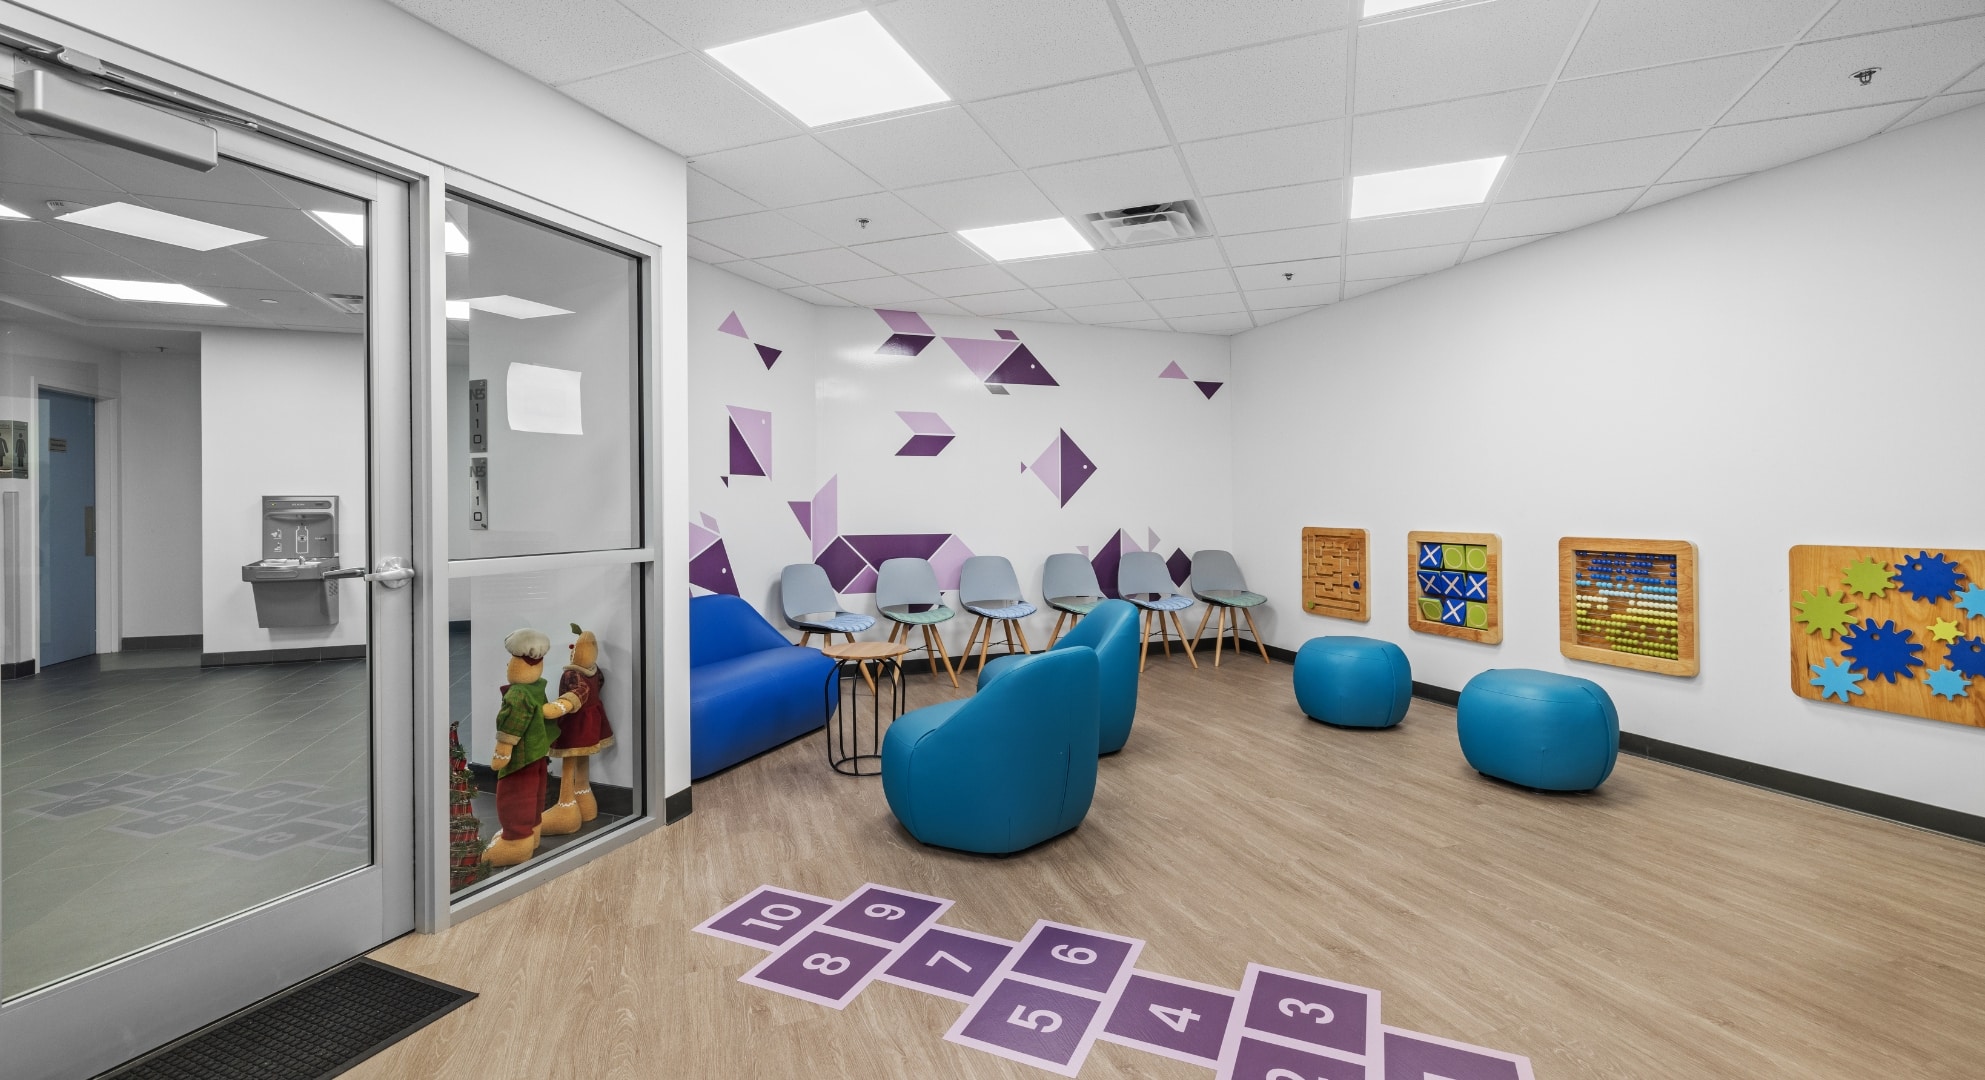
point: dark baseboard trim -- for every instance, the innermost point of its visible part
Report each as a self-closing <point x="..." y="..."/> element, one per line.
<point x="283" y="656"/>
<point x="458" y="626"/>
<point x="612" y="798"/>
<point x="675" y="807"/>
<point x="1439" y="695"/>
<point x="19" y="670"/>
<point x="162" y="641"/>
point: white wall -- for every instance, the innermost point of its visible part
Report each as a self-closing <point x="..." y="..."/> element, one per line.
<point x="160" y="427"/>
<point x="1787" y="359"/>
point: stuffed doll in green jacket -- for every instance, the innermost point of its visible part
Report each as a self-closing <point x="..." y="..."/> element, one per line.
<point x="525" y="730"/>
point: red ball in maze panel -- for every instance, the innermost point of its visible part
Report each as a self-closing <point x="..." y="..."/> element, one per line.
<point x="1029" y="1022"/>
<point x="1306" y="1009"/>
<point x="820" y="966"/>
<point x="1410" y="1055"/>
<point x="768" y="918"/>
<point x="949" y="963"/>
<point x="886" y="914"/>
<point x="1259" y="1059"/>
<point x="1083" y="959"/>
<point x="1172" y="1017"/>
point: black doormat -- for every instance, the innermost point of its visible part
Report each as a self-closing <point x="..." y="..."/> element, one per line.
<point x="315" y="1029"/>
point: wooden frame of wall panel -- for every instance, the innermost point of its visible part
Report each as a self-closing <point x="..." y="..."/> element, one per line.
<point x="1315" y="601"/>
<point x="1687" y="661"/>
<point x="1491" y="634"/>
<point x="1812" y="567"/>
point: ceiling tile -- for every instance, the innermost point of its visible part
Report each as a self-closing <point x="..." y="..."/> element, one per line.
<point x="981" y="201"/>
<point x="1627" y="34"/>
<point x="978" y="50"/>
<point x="1299" y="81"/>
<point x="1654" y="101"/>
<point x="1553" y="215"/>
<point x="789" y="172"/>
<point x="817" y="296"/>
<point x="1414" y="230"/>
<point x="1263" y="318"/>
<point x="1278" y="208"/>
<point x="1302" y="154"/>
<point x="757" y="235"/>
<point x="922" y="148"/>
<point x="1974" y="81"/>
<point x="918" y="254"/>
<point x="1208" y="304"/>
<point x="1303" y="273"/>
<point x="1112" y="183"/>
<point x="1462" y="52"/>
<point x="1044" y="317"/>
<point x="1194" y="283"/>
<point x="1817" y="77"/>
<point x="1480" y="248"/>
<point x="1292" y="296"/>
<point x="552" y="43"/>
<point x="1142" y="324"/>
<point x="1360" y="288"/>
<point x="1169" y="29"/>
<point x="1942" y="106"/>
<point x="684" y="104"/>
<point x="1462" y="130"/>
<point x="1113" y="313"/>
<point x="1003" y="303"/>
<point x="1384" y="264"/>
<point x="1595" y="167"/>
<point x="1743" y="148"/>
<point x="700" y="24"/>
<point x="1309" y="243"/>
<point x="1109" y="115"/>
<point x="823" y="267"/>
<point x="1172" y="257"/>
<point x="934" y="306"/>
<point x="1661" y="193"/>
<point x="709" y="199"/>
<point x="1091" y="293"/>
<point x="1861" y="16"/>
<point x="1212" y="324"/>
<point x="1062" y="270"/>
<point x="879" y="292"/>
<point x="966" y="280"/>
<point x="751" y="271"/>
<point x="708" y="252"/>
<point x="889" y="218"/>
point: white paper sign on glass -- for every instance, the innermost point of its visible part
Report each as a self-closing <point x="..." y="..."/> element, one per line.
<point x="543" y="399"/>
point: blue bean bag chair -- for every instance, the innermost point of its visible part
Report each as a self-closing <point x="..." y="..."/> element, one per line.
<point x="749" y="688"/>
<point x="1004" y="769"/>
<point x="1110" y="629"/>
<point x="1538" y="729"/>
<point x="1353" y="681"/>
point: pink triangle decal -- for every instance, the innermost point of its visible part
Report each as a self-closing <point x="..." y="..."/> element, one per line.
<point x="733" y="327"/>
<point x="1172" y="371"/>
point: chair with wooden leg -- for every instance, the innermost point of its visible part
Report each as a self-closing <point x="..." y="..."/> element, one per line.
<point x="1216" y="579"/>
<point x="1068" y="584"/>
<point x="989" y="589"/>
<point x="1143" y="580"/>
<point x="906" y="593"/>
<point x="812" y="607"/>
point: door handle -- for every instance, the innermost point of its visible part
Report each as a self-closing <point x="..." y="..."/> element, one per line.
<point x="393" y="572"/>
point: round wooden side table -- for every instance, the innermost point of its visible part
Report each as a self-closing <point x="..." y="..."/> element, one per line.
<point x="844" y="740"/>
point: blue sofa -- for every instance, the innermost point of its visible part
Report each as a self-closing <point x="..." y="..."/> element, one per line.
<point x="1004" y="769"/>
<point x="1111" y="630"/>
<point x="749" y="688"/>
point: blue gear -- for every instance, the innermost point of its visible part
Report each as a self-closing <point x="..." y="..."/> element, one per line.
<point x="1835" y="680"/>
<point x="1929" y="577"/>
<point x="1967" y="654"/>
<point x="1882" y="651"/>
<point x="1948" y="684"/>
<point x="1972" y="603"/>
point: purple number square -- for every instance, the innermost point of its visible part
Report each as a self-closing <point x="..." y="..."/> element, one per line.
<point x="1311" y="1010"/>
<point x="1171" y="1017"/>
<point x="886" y="914"/>
<point x="1410" y="1055"/>
<point x="1080" y="958"/>
<point x="1259" y="1060"/>
<point x="821" y="967"/>
<point x="949" y="963"/>
<point x="1027" y="1022"/>
<point x="768" y="918"/>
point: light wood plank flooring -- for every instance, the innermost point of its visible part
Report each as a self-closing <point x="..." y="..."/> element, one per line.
<point x="1673" y="925"/>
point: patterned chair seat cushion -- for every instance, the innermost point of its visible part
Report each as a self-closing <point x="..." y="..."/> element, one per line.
<point x="1013" y="611"/>
<point x="922" y="618"/>
<point x="1246" y="599"/>
<point x="1074" y="607"/>
<point x="1174" y="602"/>
<point x="843" y="622"/>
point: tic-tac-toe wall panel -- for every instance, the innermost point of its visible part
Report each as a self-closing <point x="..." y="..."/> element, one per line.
<point x="1455" y="584"/>
<point x="1900" y="630"/>
<point x="1336" y="565"/>
<point x="1629" y="603"/>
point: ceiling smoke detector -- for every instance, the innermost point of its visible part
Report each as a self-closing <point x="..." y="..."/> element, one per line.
<point x="1157" y="223"/>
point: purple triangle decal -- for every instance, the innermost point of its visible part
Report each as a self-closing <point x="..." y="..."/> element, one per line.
<point x="1022" y="369"/>
<point x="768" y="354"/>
<point x="1208" y="388"/>
<point x="1172" y="371"/>
<point x="904" y="345"/>
<point x="712" y="570"/>
<point x="733" y="327"/>
<point x="726" y="480"/>
<point x="1008" y="335"/>
<point x="803" y="510"/>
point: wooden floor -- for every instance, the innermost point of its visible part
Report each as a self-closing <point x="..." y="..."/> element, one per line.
<point x="1674" y="925"/>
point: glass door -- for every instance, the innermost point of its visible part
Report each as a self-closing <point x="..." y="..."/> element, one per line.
<point x="210" y="796"/>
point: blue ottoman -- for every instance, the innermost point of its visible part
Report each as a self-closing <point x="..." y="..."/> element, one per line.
<point x="1537" y="729"/>
<point x="1353" y="681"/>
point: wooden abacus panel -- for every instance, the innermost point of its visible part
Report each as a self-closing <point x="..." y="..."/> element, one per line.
<point x="1901" y="630"/>
<point x="1628" y="603"/>
<point x="1454" y="585"/>
<point x="1335" y="568"/>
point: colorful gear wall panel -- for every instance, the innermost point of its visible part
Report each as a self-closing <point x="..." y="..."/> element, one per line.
<point x="1337" y="573"/>
<point x="1454" y="585"/>
<point x="1899" y="630"/>
<point x="1628" y="603"/>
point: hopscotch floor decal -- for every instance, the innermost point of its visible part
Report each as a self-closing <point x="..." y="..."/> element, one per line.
<point x="1046" y="999"/>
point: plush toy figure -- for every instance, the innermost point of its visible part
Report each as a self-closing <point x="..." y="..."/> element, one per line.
<point x="582" y="732"/>
<point x="524" y="734"/>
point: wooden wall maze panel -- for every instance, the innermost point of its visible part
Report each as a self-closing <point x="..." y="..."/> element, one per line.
<point x="1335" y="568"/>
<point x="1899" y="630"/>
<point x="1454" y="582"/>
<point x="1629" y="603"/>
<point x="1046" y="999"/>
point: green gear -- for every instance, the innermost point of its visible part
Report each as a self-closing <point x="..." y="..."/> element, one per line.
<point x="1869" y="577"/>
<point x="1823" y="613"/>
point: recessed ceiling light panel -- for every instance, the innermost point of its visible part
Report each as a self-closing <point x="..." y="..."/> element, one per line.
<point x="1374" y="8"/>
<point x="514" y="307"/>
<point x="146" y="223"/>
<point x="1431" y="187"/>
<point x="841" y="69"/>
<point x="458" y="310"/>
<point x="1027" y="239"/>
<point x="8" y="213"/>
<point x="347" y="227"/>
<point x="145" y="292"/>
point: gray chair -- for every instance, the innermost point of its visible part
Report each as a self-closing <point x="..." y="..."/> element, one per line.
<point x="1068" y="584"/>
<point x="812" y="607"/>
<point x="1143" y="580"/>
<point x="988" y="588"/>
<point x="1217" y="580"/>
<point x="906" y="593"/>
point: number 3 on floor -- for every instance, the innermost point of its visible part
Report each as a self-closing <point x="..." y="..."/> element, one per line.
<point x="1176" y="1019"/>
<point x="1298" y="1007"/>
<point x="1040" y="1020"/>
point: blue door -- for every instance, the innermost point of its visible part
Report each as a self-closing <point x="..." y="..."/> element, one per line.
<point x="66" y="449"/>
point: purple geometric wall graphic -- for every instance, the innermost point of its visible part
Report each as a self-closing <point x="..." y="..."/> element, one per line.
<point x="768" y="354"/>
<point x="982" y="357"/>
<point x="1150" y="538"/>
<point x="1105" y="561"/>
<point x="1172" y="371"/>
<point x="1022" y="368"/>
<point x="803" y="510"/>
<point x="851" y="560"/>
<point x="1208" y="388"/>
<point x="751" y="441"/>
<point x="733" y="327"/>
<point x="709" y="563"/>
<point x="910" y="333"/>
<point x="929" y="434"/>
<point x="1008" y="335"/>
<point x="1064" y="468"/>
<point x="1179" y="565"/>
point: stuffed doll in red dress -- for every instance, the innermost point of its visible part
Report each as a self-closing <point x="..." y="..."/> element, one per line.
<point x="526" y="730"/>
<point x="582" y="732"/>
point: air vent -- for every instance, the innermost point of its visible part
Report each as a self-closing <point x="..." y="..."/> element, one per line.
<point x="1159" y="223"/>
<point x="348" y="303"/>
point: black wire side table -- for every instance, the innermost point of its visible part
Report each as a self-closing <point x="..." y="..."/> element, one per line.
<point x="861" y="663"/>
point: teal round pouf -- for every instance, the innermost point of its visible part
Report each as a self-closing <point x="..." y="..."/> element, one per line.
<point x="1353" y="681"/>
<point x="1538" y="729"/>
